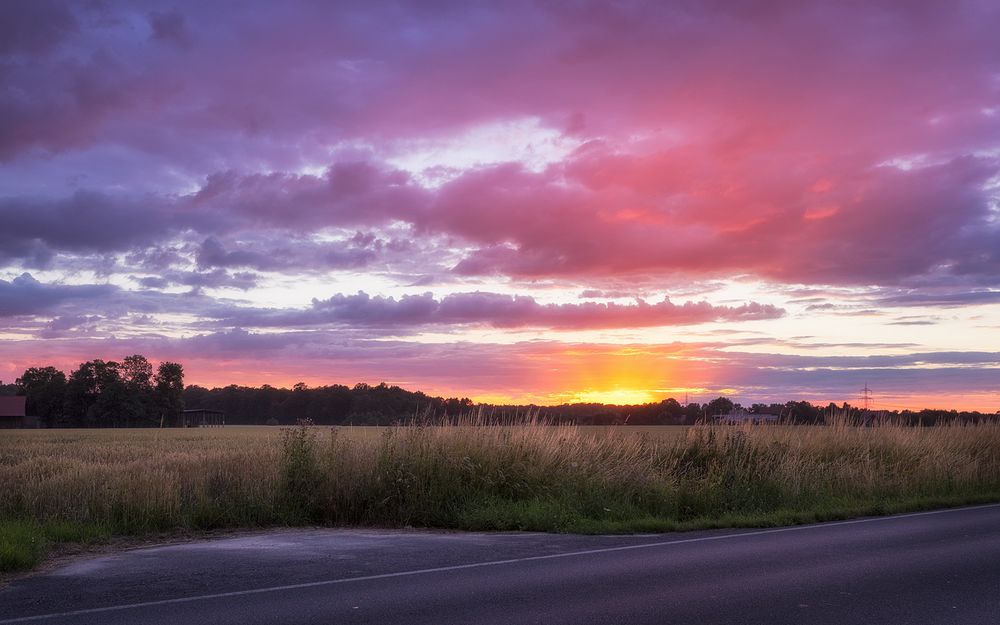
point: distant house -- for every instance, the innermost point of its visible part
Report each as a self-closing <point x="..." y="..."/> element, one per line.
<point x="743" y="416"/>
<point x="12" y="413"/>
<point x="201" y="418"/>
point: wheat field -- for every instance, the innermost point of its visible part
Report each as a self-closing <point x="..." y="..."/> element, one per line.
<point x="479" y="476"/>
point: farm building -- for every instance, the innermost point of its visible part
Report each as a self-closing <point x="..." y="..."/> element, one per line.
<point x="12" y="413"/>
<point x="201" y="418"/>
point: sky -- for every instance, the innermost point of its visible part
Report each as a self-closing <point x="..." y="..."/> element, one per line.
<point x="511" y="201"/>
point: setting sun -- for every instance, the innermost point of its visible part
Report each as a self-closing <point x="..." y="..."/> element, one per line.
<point x="620" y="396"/>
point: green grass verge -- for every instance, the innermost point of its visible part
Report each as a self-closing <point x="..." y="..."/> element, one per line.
<point x="24" y="543"/>
<point x="562" y="516"/>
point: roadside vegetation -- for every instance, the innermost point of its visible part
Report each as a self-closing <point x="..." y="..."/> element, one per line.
<point x="86" y="485"/>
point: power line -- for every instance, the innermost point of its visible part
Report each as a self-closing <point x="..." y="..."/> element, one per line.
<point x="866" y="396"/>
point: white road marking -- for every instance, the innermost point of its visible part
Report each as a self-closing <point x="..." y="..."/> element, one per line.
<point x="474" y="565"/>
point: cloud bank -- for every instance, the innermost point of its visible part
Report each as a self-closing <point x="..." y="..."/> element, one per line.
<point x="182" y="168"/>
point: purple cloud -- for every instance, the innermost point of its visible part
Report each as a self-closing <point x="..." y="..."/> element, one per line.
<point x="497" y="310"/>
<point x="26" y="296"/>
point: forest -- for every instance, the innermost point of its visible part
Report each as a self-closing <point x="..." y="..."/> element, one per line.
<point x="102" y="393"/>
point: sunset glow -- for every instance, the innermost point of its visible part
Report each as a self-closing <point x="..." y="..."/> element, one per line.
<point x="519" y="202"/>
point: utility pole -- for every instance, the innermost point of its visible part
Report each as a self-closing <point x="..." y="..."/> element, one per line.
<point x="866" y="396"/>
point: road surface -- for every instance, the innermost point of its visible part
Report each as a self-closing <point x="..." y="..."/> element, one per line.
<point x="930" y="567"/>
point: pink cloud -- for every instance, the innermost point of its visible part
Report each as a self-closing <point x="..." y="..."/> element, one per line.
<point x="727" y="139"/>
<point x="878" y="225"/>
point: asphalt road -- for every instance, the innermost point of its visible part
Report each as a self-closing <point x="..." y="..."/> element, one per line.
<point x="936" y="568"/>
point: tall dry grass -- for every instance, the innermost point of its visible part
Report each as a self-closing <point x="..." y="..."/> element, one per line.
<point x="491" y="476"/>
<point x="140" y="480"/>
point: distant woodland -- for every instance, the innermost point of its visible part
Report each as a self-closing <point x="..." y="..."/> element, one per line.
<point x="102" y="393"/>
<point x="130" y="393"/>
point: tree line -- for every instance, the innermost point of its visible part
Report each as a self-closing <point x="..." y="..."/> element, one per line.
<point x="336" y="404"/>
<point x="671" y="412"/>
<point x="103" y="393"/>
<point x="130" y="394"/>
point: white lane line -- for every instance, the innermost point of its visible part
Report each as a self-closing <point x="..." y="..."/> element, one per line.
<point x="475" y="565"/>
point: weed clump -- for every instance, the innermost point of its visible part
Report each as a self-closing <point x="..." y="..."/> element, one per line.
<point x="301" y="477"/>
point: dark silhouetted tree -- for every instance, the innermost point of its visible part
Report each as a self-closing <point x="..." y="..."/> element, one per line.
<point x="96" y="394"/>
<point x="137" y="375"/>
<point x="169" y="383"/>
<point x="719" y="405"/>
<point x="671" y="412"/>
<point x="45" y="388"/>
